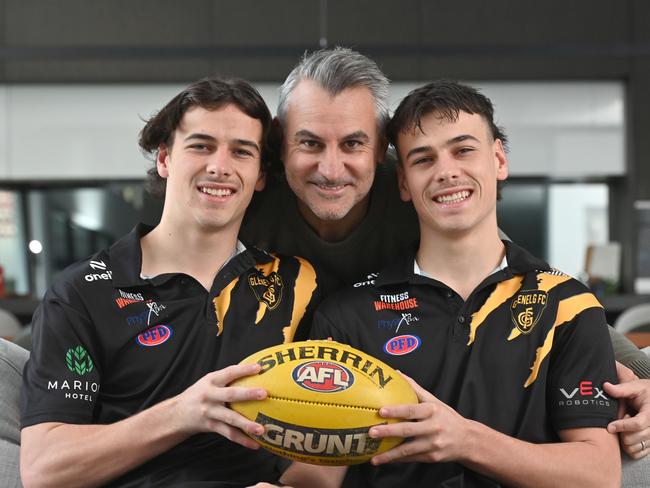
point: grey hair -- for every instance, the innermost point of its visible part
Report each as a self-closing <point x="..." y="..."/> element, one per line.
<point x="335" y="70"/>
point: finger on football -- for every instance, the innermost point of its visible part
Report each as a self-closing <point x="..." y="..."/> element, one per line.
<point x="221" y="415"/>
<point x="409" y="411"/>
<point x="230" y="394"/>
<point x="399" y="429"/>
<point x="401" y="453"/>
<point x="227" y="375"/>
<point x="235" y="435"/>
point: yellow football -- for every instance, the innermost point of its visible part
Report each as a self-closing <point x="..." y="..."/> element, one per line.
<point x="323" y="397"/>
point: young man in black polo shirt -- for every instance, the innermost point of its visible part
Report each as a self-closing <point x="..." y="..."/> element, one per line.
<point x="134" y="347"/>
<point x="508" y="355"/>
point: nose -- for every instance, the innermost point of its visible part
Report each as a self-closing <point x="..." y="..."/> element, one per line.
<point x="448" y="170"/>
<point x="220" y="163"/>
<point x="331" y="164"/>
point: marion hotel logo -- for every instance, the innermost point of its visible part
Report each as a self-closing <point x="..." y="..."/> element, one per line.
<point x="79" y="362"/>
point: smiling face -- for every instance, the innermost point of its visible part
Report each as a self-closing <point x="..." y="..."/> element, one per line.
<point x="331" y="147"/>
<point x="212" y="168"/>
<point x="449" y="169"/>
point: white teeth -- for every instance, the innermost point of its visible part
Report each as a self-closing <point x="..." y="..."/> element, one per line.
<point x="453" y="198"/>
<point x="217" y="192"/>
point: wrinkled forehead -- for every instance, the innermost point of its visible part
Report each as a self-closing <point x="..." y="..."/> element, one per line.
<point x="309" y="94"/>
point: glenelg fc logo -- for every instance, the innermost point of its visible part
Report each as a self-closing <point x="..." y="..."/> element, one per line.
<point x="527" y="308"/>
<point x="267" y="289"/>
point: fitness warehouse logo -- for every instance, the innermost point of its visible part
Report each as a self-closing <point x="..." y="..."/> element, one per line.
<point x="79" y="362"/>
<point x="126" y="298"/>
<point x="398" y="301"/>
<point x="584" y="394"/>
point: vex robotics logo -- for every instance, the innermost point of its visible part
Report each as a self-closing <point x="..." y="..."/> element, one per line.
<point x="527" y="308"/>
<point x="323" y="376"/>
<point x="78" y="361"/>
<point x="583" y="394"/>
<point x="267" y="289"/>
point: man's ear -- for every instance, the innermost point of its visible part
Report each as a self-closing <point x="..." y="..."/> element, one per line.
<point x="500" y="160"/>
<point x="404" y="192"/>
<point x="162" y="161"/>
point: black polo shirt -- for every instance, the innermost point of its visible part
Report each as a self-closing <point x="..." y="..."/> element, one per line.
<point x="108" y="344"/>
<point x="526" y="354"/>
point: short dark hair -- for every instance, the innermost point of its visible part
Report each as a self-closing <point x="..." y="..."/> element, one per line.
<point x="446" y="99"/>
<point x="210" y="94"/>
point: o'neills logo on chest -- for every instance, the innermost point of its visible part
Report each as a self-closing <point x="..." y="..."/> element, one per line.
<point x="398" y="301"/>
<point x="527" y="308"/>
<point x="267" y="289"/>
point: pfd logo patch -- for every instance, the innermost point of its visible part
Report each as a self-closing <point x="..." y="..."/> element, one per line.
<point x="403" y="344"/>
<point x="527" y="308"/>
<point x="323" y="376"/>
<point x="154" y="336"/>
<point x="267" y="289"/>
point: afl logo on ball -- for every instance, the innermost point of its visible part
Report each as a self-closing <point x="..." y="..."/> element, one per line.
<point x="323" y="376"/>
<point x="403" y="344"/>
<point x="154" y="336"/>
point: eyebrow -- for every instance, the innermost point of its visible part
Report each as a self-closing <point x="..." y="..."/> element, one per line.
<point x="359" y="134"/>
<point x="205" y="137"/>
<point x="450" y="142"/>
<point x="200" y="136"/>
<point x="306" y="133"/>
<point x="246" y="142"/>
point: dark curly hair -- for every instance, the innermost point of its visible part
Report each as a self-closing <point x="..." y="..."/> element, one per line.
<point x="210" y="94"/>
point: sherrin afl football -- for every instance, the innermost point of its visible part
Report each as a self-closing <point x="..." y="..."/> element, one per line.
<point x="323" y="397"/>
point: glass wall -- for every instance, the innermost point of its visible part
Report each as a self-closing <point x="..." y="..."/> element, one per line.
<point x="561" y="136"/>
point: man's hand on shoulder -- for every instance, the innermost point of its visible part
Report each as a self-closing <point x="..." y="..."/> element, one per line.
<point x="633" y="425"/>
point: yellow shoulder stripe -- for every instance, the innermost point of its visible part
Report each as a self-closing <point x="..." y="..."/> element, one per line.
<point x="222" y="303"/>
<point x="567" y="311"/>
<point x="303" y="291"/>
<point x="501" y="293"/>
